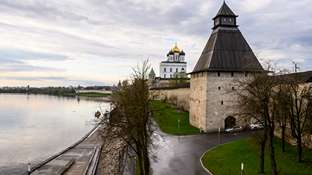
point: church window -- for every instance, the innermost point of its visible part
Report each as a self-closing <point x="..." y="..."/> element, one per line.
<point x="219" y="88"/>
<point x="232" y="74"/>
<point x="218" y="74"/>
<point x="164" y="69"/>
<point x="222" y="102"/>
<point x="177" y="69"/>
<point x="170" y="69"/>
<point x="246" y="74"/>
<point x="230" y="19"/>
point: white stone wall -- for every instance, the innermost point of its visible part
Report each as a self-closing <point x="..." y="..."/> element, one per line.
<point x="180" y="96"/>
<point x="198" y="100"/>
<point x="212" y="99"/>
<point x="168" y="74"/>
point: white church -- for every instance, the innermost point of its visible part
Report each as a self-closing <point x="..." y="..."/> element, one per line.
<point x="174" y="66"/>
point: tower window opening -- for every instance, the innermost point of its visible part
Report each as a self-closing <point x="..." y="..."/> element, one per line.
<point x="219" y="88"/>
<point x="246" y="74"/>
<point x="170" y="69"/>
<point x="222" y="102"/>
<point x="177" y="69"/>
<point x="164" y="69"/>
<point x="232" y="74"/>
<point x="218" y="74"/>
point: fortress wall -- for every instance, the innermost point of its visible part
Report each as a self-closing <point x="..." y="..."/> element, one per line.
<point x="179" y="96"/>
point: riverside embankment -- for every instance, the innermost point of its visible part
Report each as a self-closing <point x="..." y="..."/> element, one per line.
<point x="34" y="127"/>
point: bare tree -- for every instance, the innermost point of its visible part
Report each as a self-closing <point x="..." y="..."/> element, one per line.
<point x="283" y="109"/>
<point x="300" y="111"/>
<point x="132" y="115"/>
<point x="257" y="100"/>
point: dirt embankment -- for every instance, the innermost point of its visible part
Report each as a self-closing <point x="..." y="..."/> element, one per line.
<point x="113" y="152"/>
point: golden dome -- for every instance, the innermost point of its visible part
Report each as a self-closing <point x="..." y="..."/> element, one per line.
<point x="175" y="48"/>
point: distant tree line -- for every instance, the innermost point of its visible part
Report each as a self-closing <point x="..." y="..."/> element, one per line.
<point x="59" y="91"/>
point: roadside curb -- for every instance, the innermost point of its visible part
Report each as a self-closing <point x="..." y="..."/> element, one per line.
<point x="201" y="157"/>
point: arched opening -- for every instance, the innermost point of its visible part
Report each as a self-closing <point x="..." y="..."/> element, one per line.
<point x="229" y="122"/>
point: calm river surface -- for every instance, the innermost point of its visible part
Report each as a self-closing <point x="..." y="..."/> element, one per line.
<point x="33" y="127"/>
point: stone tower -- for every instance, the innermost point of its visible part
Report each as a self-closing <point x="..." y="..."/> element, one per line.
<point x="226" y="58"/>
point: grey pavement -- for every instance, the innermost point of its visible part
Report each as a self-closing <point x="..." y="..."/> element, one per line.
<point x="179" y="155"/>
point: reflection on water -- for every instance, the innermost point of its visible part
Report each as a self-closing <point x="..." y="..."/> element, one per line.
<point x="33" y="127"/>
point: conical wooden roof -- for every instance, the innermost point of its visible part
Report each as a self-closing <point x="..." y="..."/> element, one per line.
<point x="227" y="50"/>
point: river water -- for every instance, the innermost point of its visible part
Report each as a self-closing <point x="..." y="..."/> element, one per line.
<point x="34" y="127"/>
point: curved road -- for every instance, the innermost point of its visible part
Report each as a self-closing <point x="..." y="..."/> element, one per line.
<point x="179" y="155"/>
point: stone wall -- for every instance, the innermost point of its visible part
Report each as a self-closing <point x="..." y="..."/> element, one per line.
<point x="214" y="98"/>
<point x="198" y="100"/>
<point x="306" y="139"/>
<point x="178" y="96"/>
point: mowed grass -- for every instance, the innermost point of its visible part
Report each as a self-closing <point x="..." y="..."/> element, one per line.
<point x="226" y="159"/>
<point x="167" y="118"/>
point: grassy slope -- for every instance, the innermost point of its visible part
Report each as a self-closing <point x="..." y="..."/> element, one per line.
<point x="226" y="159"/>
<point x="93" y="94"/>
<point x="167" y="118"/>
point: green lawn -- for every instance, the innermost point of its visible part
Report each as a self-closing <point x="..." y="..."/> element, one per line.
<point x="226" y="159"/>
<point x="167" y="118"/>
<point x="93" y="94"/>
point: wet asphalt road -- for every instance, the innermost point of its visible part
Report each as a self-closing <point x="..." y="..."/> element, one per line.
<point x="179" y="155"/>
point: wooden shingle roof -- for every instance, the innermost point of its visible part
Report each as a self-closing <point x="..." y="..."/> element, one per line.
<point x="227" y="50"/>
<point x="225" y="11"/>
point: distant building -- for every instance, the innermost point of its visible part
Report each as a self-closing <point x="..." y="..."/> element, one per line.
<point x="174" y="66"/>
<point x="170" y="70"/>
<point x="226" y="59"/>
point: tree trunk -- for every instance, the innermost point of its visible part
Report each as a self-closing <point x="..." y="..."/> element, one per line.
<point x="146" y="163"/>
<point x="272" y="152"/>
<point x="262" y="152"/>
<point x="140" y="161"/>
<point x="283" y="138"/>
<point x="299" y="148"/>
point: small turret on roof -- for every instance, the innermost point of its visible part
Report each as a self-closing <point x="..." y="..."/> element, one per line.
<point x="225" y="11"/>
<point x="227" y="50"/>
<point x="152" y="72"/>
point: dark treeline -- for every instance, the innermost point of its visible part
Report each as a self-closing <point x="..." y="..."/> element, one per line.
<point x="59" y="91"/>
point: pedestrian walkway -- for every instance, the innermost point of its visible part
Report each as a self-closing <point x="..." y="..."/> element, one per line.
<point x="81" y="159"/>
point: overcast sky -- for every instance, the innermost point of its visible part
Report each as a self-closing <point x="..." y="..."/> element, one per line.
<point x="96" y="42"/>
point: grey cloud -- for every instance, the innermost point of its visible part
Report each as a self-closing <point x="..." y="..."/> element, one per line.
<point x="14" y="55"/>
<point x="23" y="67"/>
<point x="47" y="10"/>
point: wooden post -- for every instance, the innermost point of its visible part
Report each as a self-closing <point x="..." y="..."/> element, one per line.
<point x="219" y="136"/>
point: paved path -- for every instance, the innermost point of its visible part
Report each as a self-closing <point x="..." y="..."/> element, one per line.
<point x="74" y="161"/>
<point x="79" y="160"/>
<point x="179" y="155"/>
